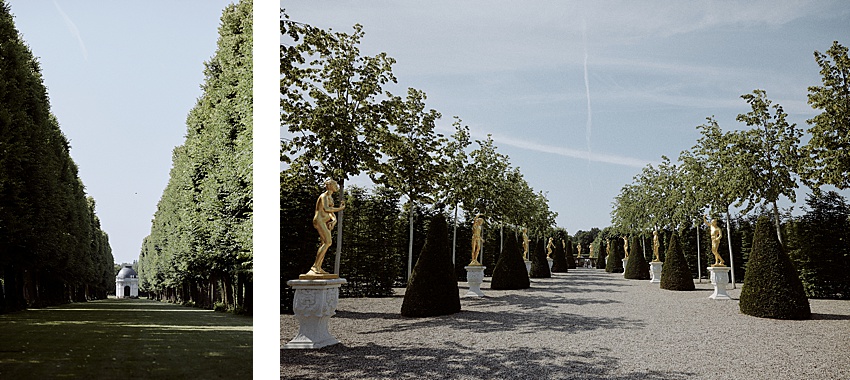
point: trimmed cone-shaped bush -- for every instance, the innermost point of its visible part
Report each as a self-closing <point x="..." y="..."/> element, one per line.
<point x="510" y="272"/>
<point x="772" y="288"/>
<point x="602" y="256"/>
<point x="614" y="261"/>
<point x="571" y="259"/>
<point x="559" y="257"/>
<point x="432" y="289"/>
<point x="675" y="274"/>
<point x="636" y="268"/>
<point x="539" y="264"/>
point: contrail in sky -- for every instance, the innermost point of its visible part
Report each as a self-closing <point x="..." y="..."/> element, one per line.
<point x="589" y="128"/>
<point x="73" y="29"/>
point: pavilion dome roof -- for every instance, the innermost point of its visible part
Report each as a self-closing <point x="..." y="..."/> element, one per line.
<point x="127" y="272"/>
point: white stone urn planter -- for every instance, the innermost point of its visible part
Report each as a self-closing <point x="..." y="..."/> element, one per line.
<point x="655" y="272"/>
<point x="474" y="277"/>
<point x="719" y="278"/>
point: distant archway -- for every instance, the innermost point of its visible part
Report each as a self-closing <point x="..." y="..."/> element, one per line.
<point x="126" y="291"/>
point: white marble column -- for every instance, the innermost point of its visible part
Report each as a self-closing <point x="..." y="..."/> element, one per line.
<point x="315" y="302"/>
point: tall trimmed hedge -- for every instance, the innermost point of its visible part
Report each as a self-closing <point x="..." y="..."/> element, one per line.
<point x="571" y="258"/>
<point x="559" y="258"/>
<point x="772" y="288"/>
<point x="675" y="274"/>
<point x="510" y="272"/>
<point x="432" y="289"/>
<point x="539" y="264"/>
<point x="603" y="254"/>
<point x="636" y="268"/>
<point x="614" y="263"/>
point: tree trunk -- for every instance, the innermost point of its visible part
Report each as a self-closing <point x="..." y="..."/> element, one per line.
<point x="339" y="229"/>
<point x="410" y="246"/>
<point x="776" y="220"/>
<point x="729" y="239"/>
<point x="454" y="236"/>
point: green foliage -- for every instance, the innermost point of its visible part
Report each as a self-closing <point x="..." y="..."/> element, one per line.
<point x="819" y="246"/>
<point x="636" y="268"/>
<point x="614" y="262"/>
<point x="539" y="264"/>
<point x="559" y="254"/>
<point x="200" y="247"/>
<point x="299" y="189"/>
<point x="432" y="289"/>
<point x="827" y="154"/>
<point x="602" y="255"/>
<point x="510" y="272"/>
<point x="771" y="286"/>
<point x="52" y="248"/>
<point x="571" y="259"/>
<point x="675" y="274"/>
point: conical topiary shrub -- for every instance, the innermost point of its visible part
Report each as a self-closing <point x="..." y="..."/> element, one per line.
<point x="614" y="261"/>
<point x="539" y="264"/>
<point x="675" y="274"/>
<point x="559" y="258"/>
<point x="636" y="268"/>
<point x="602" y="256"/>
<point x="772" y="288"/>
<point x="571" y="258"/>
<point x="432" y="289"/>
<point x="510" y="272"/>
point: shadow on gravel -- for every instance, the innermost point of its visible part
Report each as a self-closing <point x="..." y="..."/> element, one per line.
<point x="831" y="317"/>
<point x="453" y="361"/>
<point x="503" y="322"/>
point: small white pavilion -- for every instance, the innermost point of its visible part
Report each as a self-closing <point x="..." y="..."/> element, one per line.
<point x="127" y="283"/>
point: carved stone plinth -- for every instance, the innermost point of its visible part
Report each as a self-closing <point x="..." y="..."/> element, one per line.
<point x="625" y="261"/>
<point x="550" y="261"/>
<point x="719" y="278"/>
<point x="528" y="266"/>
<point x="474" y="277"/>
<point x="315" y="302"/>
<point x="655" y="272"/>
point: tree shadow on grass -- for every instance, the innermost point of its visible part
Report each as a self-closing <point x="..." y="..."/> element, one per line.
<point x="454" y="361"/>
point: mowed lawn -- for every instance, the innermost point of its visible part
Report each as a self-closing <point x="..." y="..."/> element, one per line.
<point x="124" y="338"/>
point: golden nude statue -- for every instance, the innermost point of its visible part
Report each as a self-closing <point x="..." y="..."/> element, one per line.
<point x="655" y="245"/>
<point x="626" y="246"/>
<point x="324" y="221"/>
<point x="476" y="238"/>
<point x="591" y="250"/>
<point x="578" y="249"/>
<point x="716" y="234"/>
<point x="549" y="247"/>
<point x="608" y="246"/>
<point x="525" y="243"/>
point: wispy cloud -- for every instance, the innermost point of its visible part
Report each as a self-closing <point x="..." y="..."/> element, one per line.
<point x="73" y="29"/>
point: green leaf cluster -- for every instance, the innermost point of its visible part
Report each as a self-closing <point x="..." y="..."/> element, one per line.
<point x="200" y="248"/>
<point x="52" y="247"/>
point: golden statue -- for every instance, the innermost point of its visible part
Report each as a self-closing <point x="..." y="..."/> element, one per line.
<point x="549" y="247"/>
<point x="626" y="246"/>
<point x="324" y="221"/>
<point x="655" y="245"/>
<point x="591" y="250"/>
<point x="716" y="234"/>
<point x="476" y="238"/>
<point x="608" y="246"/>
<point x="578" y="248"/>
<point x="525" y="243"/>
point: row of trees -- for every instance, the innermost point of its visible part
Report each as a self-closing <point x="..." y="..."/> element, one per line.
<point x="200" y="247"/>
<point x="343" y="121"/>
<point x="52" y="248"/>
<point x="747" y="169"/>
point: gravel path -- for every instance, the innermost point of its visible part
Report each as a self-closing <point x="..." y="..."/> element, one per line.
<point x="585" y="324"/>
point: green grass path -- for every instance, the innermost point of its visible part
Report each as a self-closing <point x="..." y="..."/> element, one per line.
<point x="123" y="338"/>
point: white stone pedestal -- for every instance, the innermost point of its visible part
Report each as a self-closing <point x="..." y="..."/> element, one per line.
<point x="315" y="302"/>
<point x="625" y="261"/>
<point x="551" y="261"/>
<point x="655" y="272"/>
<point x="474" y="277"/>
<point x="528" y="266"/>
<point x="719" y="278"/>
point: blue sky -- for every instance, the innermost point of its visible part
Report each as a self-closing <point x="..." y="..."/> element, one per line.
<point x="582" y="95"/>
<point x="122" y="77"/>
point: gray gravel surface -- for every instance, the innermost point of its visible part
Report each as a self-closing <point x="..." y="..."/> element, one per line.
<point x="585" y="324"/>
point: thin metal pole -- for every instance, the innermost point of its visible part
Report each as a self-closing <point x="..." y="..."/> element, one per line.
<point x="699" y="266"/>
